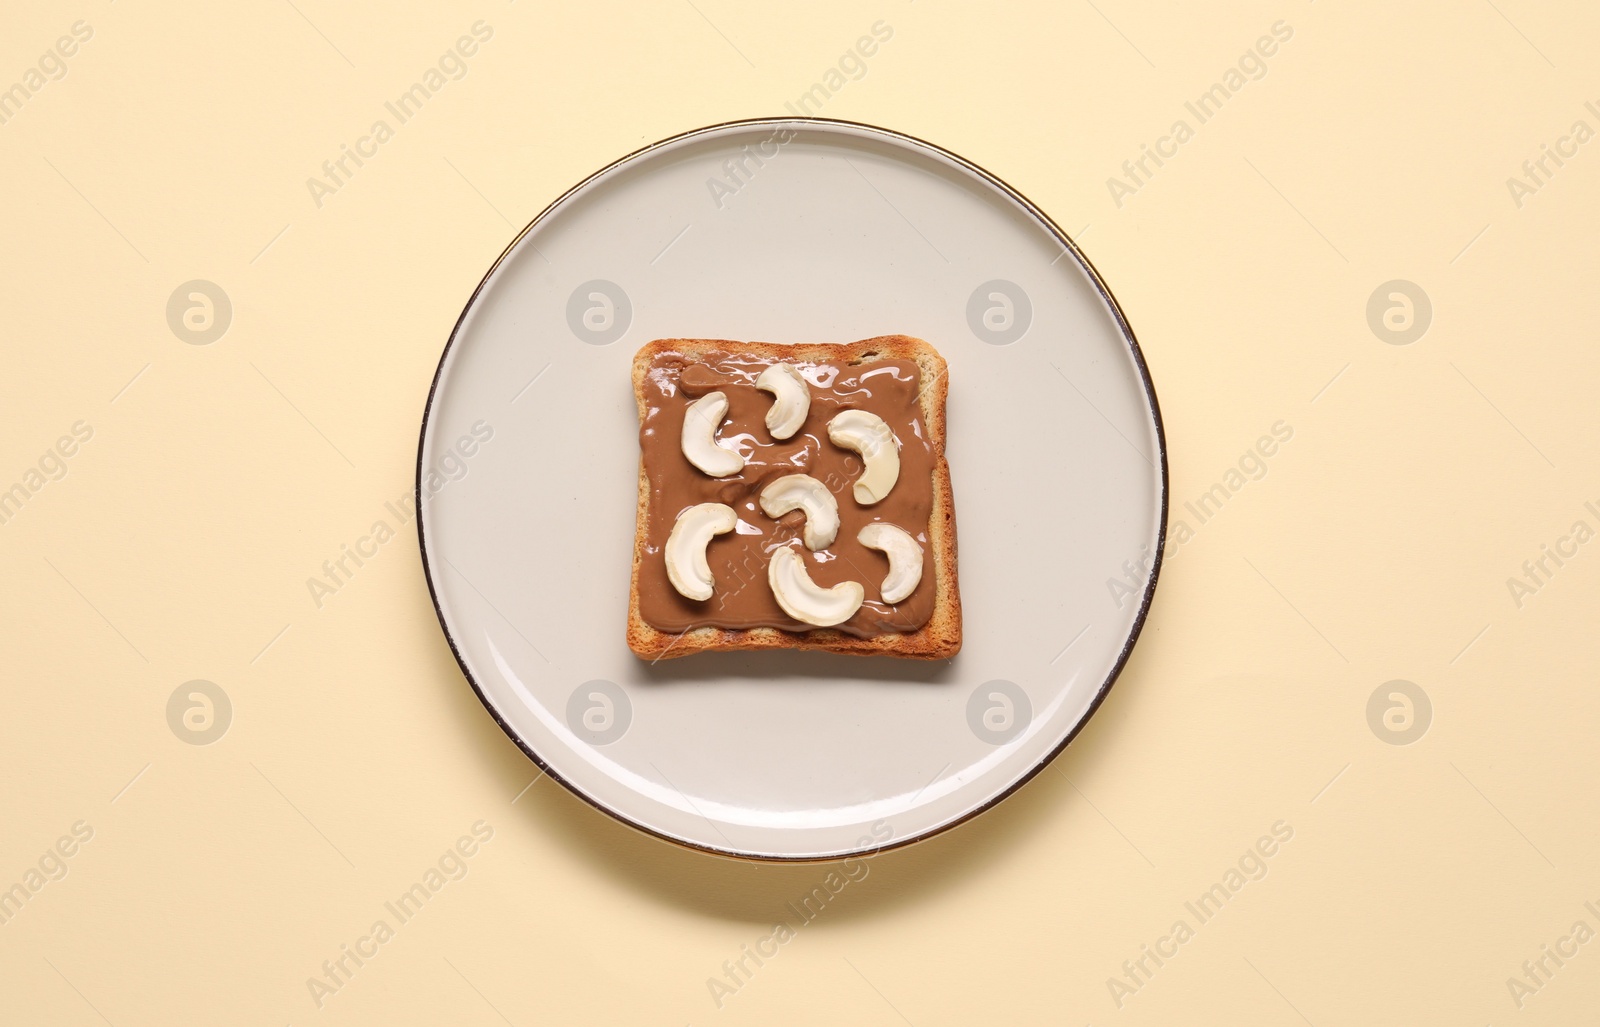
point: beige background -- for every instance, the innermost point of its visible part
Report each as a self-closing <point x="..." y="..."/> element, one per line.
<point x="1377" y="547"/>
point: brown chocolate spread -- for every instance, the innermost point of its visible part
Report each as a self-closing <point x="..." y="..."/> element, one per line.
<point x="738" y="559"/>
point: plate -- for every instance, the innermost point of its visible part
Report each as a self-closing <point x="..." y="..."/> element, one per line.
<point x="788" y="231"/>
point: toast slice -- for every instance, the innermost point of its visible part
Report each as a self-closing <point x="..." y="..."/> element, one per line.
<point x="910" y="376"/>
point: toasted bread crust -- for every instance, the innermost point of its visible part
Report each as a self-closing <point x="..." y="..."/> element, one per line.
<point x="940" y="637"/>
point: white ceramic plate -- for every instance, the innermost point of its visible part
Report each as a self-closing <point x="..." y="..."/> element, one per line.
<point x="819" y="231"/>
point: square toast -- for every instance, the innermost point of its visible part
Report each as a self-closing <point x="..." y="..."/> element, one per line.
<point x="907" y="378"/>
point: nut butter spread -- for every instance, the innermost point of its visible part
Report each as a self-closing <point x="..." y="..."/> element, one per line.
<point x="738" y="559"/>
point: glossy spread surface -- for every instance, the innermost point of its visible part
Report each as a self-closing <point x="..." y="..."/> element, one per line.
<point x="738" y="559"/>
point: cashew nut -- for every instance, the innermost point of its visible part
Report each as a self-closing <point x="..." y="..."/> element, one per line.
<point x="866" y="433"/>
<point x="687" y="568"/>
<point x="905" y="558"/>
<point x="792" y="399"/>
<point x="700" y="424"/>
<point x="803" y="492"/>
<point x="803" y="600"/>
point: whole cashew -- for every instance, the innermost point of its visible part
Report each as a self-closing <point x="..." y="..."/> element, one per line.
<point x="699" y="439"/>
<point x="867" y="434"/>
<point x="905" y="558"/>
<point x="692" y="532"/>
<point x="803" y="600"/>
<point x="791" y="399"/>
<point x="803" y="492"/>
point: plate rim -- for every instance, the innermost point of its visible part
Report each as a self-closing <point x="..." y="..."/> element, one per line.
<point x="1145" y="599"/>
